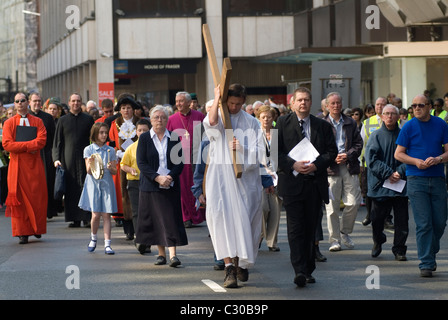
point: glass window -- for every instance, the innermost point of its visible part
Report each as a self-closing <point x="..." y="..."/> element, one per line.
<point x="266" y="7"/>
<point x="158" y="8"/>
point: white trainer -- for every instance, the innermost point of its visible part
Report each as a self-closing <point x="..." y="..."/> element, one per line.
<point x="347" y="241"/>
<point x="335" y="246"/>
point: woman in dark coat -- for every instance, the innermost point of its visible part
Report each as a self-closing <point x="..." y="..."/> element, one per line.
<point x="159" y="158"/>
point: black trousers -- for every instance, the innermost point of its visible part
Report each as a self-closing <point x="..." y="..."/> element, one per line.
<point x="380" y="211"/>
<point x="302" y="215"/>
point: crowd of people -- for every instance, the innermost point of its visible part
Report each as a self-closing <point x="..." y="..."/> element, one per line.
<point x="158" y="171"/>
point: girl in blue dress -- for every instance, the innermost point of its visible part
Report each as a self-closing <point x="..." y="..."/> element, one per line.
<point x="98" y="195"/>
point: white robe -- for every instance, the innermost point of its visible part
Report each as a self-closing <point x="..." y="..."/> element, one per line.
<point x="233" y="210"/>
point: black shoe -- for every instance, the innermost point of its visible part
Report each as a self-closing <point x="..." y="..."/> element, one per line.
<point x="400" y="257"/>
<point x="75" y="224"/>
<point x="274" y="249"/>
<point x="86" y="224"/>
<point x="300" y="280"/>
<point x="23" y="239"/>
<point x="188" y="224"/>
<point x="161" y="260"/>
<point x="141" y="248"/>
<point x="426" y="273"/>
<point x="388" y="225"/>
<point x="129" y="236"/>
<point x="174" y="262"/>
<point x="38" y="236"/>
<point x="376" y="250"/>
<point x="218" y="266"/>
<point x="242" y="274"/>
<point x="366" y="222"/>
<point x="310" y="279"/>
<point x="319" y="256"/>
<point x="230" y="280"/>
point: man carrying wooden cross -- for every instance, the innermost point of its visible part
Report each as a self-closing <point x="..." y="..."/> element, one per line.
<point x="233" y="210"/>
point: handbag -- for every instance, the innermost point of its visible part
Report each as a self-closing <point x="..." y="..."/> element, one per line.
<point x="59" y="183"/>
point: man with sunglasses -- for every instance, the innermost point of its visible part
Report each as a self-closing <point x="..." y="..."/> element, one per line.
<point x="24" y="136"/>
<point x="423" y="145"/>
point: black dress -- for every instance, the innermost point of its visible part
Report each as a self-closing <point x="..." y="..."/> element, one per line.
<point x="160" y="219"/>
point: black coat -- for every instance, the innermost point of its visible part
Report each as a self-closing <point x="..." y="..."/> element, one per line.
<point x="71" y="137"/>
<point x="148" y="161"/>
<point x="289" y="135"/>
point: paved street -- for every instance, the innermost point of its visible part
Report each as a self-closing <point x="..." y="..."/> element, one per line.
<point x="43" y="268"/>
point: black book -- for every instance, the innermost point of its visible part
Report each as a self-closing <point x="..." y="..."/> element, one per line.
<point x="25" y="133"/>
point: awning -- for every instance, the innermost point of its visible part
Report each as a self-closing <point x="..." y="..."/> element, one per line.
<point x="308" y="55"/>
<point x="404" y="13"/>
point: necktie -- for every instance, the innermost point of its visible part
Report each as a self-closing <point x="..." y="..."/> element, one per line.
<point x="302" y="128"/>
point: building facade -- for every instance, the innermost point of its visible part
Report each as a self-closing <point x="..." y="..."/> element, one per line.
<point x="154" y="48"/>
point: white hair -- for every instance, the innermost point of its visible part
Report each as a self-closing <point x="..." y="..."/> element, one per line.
<point x="158" y="108"/>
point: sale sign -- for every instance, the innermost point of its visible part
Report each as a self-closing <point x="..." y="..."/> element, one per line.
<point x="105" y="91"/>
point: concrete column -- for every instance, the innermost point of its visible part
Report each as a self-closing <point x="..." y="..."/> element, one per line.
<point x="105" y="44"/>
<point x="214" y="17"/>
<point x="414" y="78"/>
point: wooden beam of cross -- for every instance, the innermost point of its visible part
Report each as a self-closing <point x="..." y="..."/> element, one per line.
<point x="223" y="81"/>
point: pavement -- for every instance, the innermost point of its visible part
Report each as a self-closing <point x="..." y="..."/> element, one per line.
<point x="58" y="267"/>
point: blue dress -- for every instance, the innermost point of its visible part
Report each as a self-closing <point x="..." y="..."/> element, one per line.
<point x="99" y="195"/>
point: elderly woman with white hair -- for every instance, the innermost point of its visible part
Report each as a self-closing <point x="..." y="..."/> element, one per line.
<point x="160" y="160"/>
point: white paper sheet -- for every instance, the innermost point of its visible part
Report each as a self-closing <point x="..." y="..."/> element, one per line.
<point x="304" y="151"/>
<point x="126" y="144"/>
<point x="398" y="186"/>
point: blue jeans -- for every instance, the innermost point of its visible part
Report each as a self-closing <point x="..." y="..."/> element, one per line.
<point x="428" y="198"/>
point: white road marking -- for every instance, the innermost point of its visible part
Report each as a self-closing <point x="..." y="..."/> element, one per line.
<point x="213" y="285"/>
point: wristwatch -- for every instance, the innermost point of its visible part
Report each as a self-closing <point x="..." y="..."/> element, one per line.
<point x="441" y="159"/>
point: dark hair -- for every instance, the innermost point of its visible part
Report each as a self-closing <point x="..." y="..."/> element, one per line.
<point x="95" y="131"/>
<point x="237" y="90"/>
<point x="361" y="113"/>
<point x="143" y="122"/>
<point x="107" y="103"/>
<point x="302" y="90"/>
<point x="440" y="100"/>
<point x="73" y="94"/>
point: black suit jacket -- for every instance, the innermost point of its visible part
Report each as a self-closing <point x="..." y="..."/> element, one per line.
<point x="148" y="161"/>
<point x="289" y="135"/>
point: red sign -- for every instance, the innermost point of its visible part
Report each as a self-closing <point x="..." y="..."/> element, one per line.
<point x="105" y="91"/>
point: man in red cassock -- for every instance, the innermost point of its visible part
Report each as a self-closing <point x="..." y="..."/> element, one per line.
<point x="27" y="199"/>
<point x="183" y="122"/>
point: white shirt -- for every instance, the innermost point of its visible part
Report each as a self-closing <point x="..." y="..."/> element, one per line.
<point x="161" y="147"/>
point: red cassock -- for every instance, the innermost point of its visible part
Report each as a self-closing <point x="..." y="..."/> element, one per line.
<point x="27" y="187"/>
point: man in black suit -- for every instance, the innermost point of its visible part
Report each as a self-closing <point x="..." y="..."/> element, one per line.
<point x="303" y="185"/>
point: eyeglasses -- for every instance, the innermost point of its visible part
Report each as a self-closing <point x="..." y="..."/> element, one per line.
<point x="419" y="105"/>
<point x="20" y="101"/>
<point x="158" y="118"/>
<point x="388" y="114"/>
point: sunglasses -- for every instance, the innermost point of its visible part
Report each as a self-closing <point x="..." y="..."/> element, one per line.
<point x="419" y="105"/>
<point x="20" y="101"/>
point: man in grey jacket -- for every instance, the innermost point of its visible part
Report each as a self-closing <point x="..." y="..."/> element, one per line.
<point x="343" y="175"/>
<point x="383" y="167"/>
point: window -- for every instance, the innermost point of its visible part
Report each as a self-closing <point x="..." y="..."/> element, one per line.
<point x="266" y="7"/>
<point x="159" y="8"/>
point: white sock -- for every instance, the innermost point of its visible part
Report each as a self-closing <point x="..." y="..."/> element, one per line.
<point x="229" y="264"/>
<point x="93" y="239"/>
<point x="106" y="243"/>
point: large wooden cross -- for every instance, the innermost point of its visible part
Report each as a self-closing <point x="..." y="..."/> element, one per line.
<point x="224" y="82"/>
